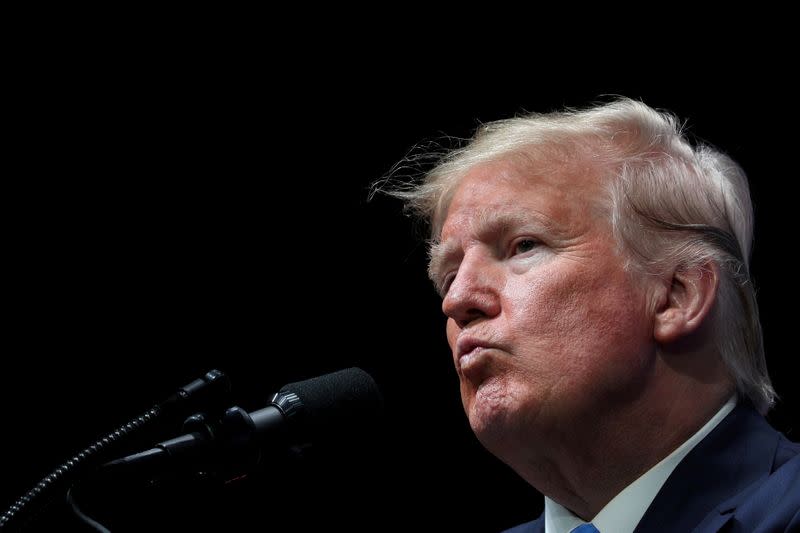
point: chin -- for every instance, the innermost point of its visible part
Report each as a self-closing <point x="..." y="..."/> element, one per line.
<point x="490" y="412"/>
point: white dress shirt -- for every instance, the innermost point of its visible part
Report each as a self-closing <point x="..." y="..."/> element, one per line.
<point x="623" y="512"/>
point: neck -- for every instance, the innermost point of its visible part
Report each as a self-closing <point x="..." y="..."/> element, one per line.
<point x="625" y="441"/>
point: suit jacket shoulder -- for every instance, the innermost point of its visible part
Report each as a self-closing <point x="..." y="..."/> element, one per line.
<point x="743" y="476"/>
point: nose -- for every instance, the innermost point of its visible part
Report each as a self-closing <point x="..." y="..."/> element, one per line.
<point x="474" y="294"/>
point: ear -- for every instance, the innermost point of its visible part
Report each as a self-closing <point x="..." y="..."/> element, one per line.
<point x="688" y="300"/>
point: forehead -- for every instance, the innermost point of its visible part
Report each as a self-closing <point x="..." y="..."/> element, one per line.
<point x="558" y="195"/>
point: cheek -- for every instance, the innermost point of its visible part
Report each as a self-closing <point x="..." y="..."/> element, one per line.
<point x="570" y="326"/>
<point x="545" y="310"/>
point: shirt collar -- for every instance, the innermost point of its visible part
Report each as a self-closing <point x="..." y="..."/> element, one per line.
<point x="623" y="512"/>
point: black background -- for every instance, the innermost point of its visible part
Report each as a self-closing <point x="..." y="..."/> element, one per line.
<point x="194" y="208"/>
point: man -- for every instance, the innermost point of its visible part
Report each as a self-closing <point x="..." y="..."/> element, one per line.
<point x="593" y="267"/>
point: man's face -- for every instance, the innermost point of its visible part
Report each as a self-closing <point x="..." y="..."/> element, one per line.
<point x="546" y="326"/>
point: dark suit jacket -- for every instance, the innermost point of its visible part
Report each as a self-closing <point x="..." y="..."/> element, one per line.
<point x="744" y="476"/>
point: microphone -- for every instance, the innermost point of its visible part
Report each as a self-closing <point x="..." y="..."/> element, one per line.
<point x="301" y="414"/>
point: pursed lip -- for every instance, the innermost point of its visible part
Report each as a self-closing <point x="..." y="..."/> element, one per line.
<point x="466" y="345"/>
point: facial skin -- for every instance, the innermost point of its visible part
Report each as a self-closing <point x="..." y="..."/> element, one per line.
<point x="537" y="283"/>
<point x="550" y="334"/>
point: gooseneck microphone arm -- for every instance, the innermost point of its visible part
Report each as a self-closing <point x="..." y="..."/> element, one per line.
<point x="213" y="386"/>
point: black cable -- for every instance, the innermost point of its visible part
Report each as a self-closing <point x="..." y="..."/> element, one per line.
<point x="83" y="517"/>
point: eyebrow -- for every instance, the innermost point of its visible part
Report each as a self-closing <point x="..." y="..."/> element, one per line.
<point x="486" y="223"/>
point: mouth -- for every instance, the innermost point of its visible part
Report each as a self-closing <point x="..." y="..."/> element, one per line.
<point x="469" y="354"/>
<point x="467" y="345"/>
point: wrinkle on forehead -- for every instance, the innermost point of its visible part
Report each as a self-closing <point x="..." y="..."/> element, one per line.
<point x="561" y="172"/>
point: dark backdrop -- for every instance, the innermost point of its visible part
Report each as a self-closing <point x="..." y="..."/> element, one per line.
<point x="189" y="213"/>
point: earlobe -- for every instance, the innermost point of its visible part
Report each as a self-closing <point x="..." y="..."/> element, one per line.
<point x="687" y="302"/>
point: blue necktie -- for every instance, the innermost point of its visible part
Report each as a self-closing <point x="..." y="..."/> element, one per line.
<point x="585" y="528"/>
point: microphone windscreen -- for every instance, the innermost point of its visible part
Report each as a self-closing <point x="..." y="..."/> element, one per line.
<point x="345" y="400"/>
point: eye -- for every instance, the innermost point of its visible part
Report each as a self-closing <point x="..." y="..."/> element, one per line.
<point x="524" y="245"/>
